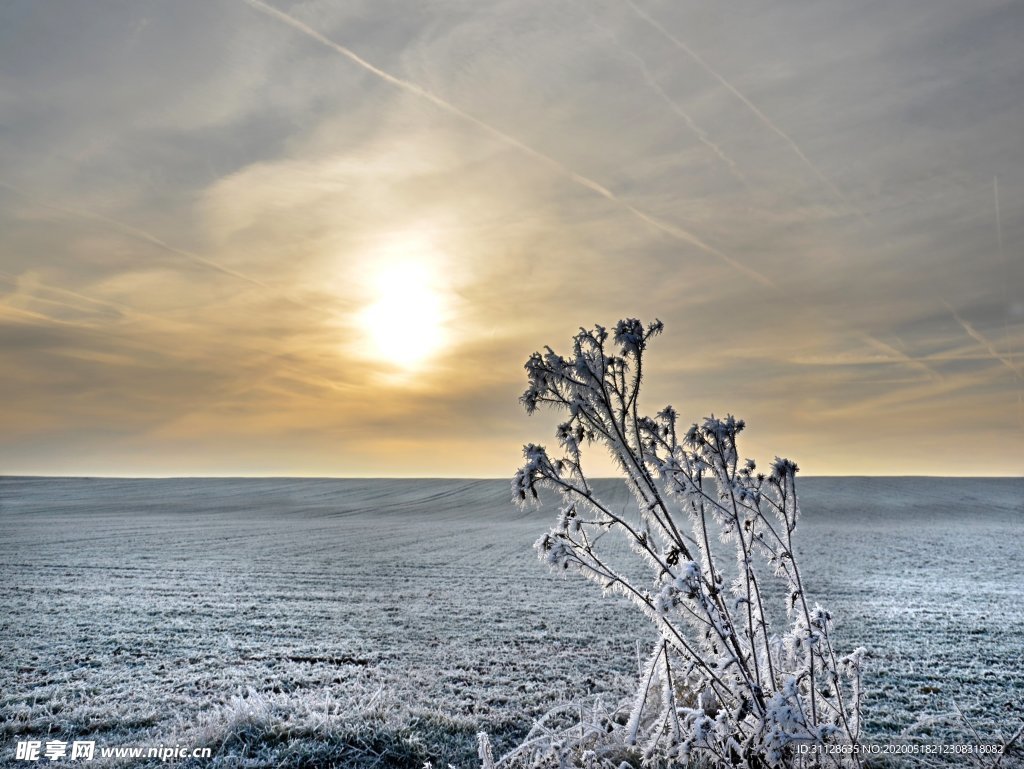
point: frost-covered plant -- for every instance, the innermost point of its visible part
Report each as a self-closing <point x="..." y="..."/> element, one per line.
<point x="720" y="686"/>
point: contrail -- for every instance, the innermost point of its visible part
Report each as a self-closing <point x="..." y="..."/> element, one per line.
<point x="765" y="120"/>
<point x="107" y="303"/>
<point x="869" y="339"/>
<point x="152" y="239"/>
<point x="980" y="338"/>
<point x="410" y="87"/>
<point x="1006" y="293"/>
<point x="681" y="234"/>
<point x="1002" y="261"/>
<point x="579" y="179"/>
<point x="282" y="360"/>
<point x="652" y="81"/>
<point x="135" y="232"/>
<point x="902" y="356"/>
<point x="36" y="315"/>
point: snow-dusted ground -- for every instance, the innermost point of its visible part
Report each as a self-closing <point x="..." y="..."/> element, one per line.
<point x="396" y="618"/>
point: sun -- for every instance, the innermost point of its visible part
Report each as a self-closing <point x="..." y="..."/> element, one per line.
<point x="404" y="325"/>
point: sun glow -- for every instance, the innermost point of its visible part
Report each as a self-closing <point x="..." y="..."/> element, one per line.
<point x="405" y="323"/>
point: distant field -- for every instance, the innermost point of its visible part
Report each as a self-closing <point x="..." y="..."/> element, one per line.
<point x="388" y="621"/>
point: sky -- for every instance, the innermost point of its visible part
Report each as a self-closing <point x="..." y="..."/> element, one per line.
<point x="321" y="238"/>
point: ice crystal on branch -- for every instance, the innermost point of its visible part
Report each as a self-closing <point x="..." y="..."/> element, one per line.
<point x="721" y="684"/>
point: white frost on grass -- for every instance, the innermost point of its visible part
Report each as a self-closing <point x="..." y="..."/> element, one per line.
<point x="134" y="611"/>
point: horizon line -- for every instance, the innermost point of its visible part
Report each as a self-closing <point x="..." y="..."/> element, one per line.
<point x="33" y="476"/>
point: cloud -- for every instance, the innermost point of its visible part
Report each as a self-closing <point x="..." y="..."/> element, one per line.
<point x="188" y="243"/>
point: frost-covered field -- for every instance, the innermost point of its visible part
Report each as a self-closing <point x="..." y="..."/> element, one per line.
<point x="347" y="622"/>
